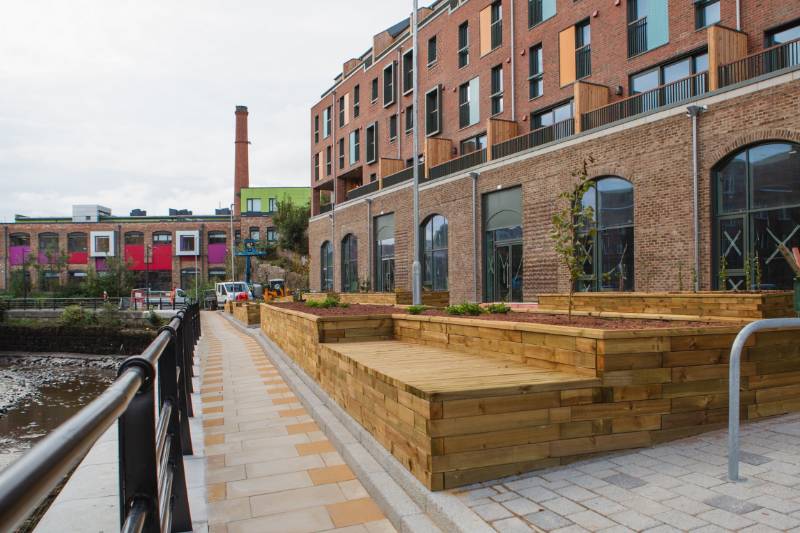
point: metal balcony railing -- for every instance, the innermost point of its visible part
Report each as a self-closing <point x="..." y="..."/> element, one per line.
<point x="537" y="137"/>
<point x="404" y="175"/>
<point x="637" y="37"/>
<point x="324" y="208"/>
<point x="670" y="93"/>
<point x="457" y="165"/>
<point x="778" y="57"/>
<point x="153" y="438"/>
<point x="583" y="61"/>
<point x="364" y="190"/>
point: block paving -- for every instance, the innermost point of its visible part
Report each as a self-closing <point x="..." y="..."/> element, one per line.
<point x="269" y="467"/>
<point x="681" y="486"/>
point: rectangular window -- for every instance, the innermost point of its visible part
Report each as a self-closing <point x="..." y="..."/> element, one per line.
<point x="272" y="235"/>
<point x="666" y="74"/>
<point x="328" y="163"/>
<point x="473" y="144"/>
<point x="535" y="72"/>
<point x="255" y="234"/>
<point x="341" y="153"/>
<point x="497" y="25"/>
<point x="272" y="205"/>
<point x="254" y="205"/>
<point x="648" y="25"/>
<point x="316" y="167"/>
<point x="316" y="128"/>
<point x="463" y="45"/>
<point x="433" y="52"/>
<point x="355" y="146"/>
<point x="372" y="142"/>
<point x="497" y="90"/>
<point x="187" y="243"/>
<point x="551" y="116"/>
<point x="102" y="244"/>
<point x="341" y="111"/>
<point x="374" y="90"/>
<point x="433" y="114"/>
<point x="408" y="71"/>
<point x="373" y="177"/>
<point x="409" y="118"/>
<point x="784" y="35"/>
<point x="583" y="50"/>
<point x="469" y="103"/>
<point x="356" y="101"/>
<point x="706" y="13"/>
<point x="540" y="10"/>
<point x="388" y="85"/>
<point x="326" y="122"/>
<point x="392" y="128"/>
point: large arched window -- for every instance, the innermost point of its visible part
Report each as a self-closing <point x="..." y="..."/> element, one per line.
<point x="502" y="211"/>
<point x="757" y="209"/>
<point x="19" y="248"/>
<point x="326" y="266"/>
<point x="134" y="238"/>
<point x="350" y="263"/>
<point x="434" y="253"/>
<point x="610" y="259"/>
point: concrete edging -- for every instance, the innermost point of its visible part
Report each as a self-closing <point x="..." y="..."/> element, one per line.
<point x="409" y="505"/>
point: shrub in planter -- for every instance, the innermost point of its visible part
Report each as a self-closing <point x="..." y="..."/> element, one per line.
<point x="415" y="309"/>
<point x="464" y="309"/>
<point x="499" y="309"/>
<point x="74" y="315"/>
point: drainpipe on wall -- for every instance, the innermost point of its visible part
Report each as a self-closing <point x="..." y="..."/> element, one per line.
<point x="335" y="199"/>
<point x="694" y="112"/>
<point x="513" y="64"/>
<point x="738" y="15"/>
<point x="369" y="244"/>
<point x="474" y="176"/>
<point x="399" y="101"/>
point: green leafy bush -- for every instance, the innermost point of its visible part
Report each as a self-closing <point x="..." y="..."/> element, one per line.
<point x="415" y="309"/>
<point x="498" y="309"/>
<point x="109" y="317"/>
<point x="464" y="309"/>
<point x="74" y="315"/>
<point x="329" y="302"/>
<point x="154" y="320"/>
<point x="314" y="304"/>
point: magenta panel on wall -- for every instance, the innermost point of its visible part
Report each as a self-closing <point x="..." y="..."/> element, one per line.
<point x="217" y="253"/>
<point x="17" y="254"/>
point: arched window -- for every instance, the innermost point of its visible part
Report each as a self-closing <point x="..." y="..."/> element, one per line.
<point x="19" y="239"/>
<point x="350" y="263"/>
<point x="502" y="211"/>
<point x="434" y="253"/>
<point x="610" y="263"/>
<point x="19" y="248"/>
<point x="134" y="238"/>
<point x="757" y="209"/>
<point x="384" y="253"/>
<point x="326" y="266"/>
<point x="77" y="242"/>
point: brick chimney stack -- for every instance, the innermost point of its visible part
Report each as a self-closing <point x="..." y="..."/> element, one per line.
<point x="242" y="171"/>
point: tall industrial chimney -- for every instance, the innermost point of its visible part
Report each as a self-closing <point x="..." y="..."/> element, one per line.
<point x="242" y="170"/>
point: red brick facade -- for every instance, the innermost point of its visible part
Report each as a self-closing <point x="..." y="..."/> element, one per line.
<point x="653" y="153"/>
<point x="611" y="68"/>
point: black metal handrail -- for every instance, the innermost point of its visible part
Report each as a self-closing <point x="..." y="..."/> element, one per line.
<point x="152" y="483"/>
<point x="458" y="164"/>
<point x="677" y="91"/>
<point x="537" y="137"/>
<point x="324" y="208"/>
<point x="637" y="37"/>
<point x="778" y="57"/>
<point x="404" y="175"/>
<point x="583" y="61"/>
<point x="364" y="190"/>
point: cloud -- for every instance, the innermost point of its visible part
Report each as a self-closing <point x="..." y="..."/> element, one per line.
<point x="130" y="104"/>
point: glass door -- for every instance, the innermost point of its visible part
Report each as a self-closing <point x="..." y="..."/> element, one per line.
<point x="507" y="272"/>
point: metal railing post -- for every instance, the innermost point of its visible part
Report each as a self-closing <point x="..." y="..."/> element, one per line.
<point x="734" y="380"/>
<point x="138" y="471"/>
<point x="177" y="428"/>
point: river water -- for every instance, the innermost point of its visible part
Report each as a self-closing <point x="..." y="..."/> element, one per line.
<point x="39" y="393"/>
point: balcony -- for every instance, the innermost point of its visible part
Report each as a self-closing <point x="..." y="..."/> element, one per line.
<point x="324" y="208"/>
<point x="671" y="93"/>
<point x="583" y="61"/>
<point x="457" y="165"/>
<point x="364" y="190"/>
<point x="637" y="37"/>
<point x="404" y="175"/>
<point x="773" y="59"/>
<point x="537" y="137"/>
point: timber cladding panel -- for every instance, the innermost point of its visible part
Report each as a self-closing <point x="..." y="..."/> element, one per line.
<point x="714" y="305"/>
<point x="247" y="313"/>
<point x="458" y="401"/>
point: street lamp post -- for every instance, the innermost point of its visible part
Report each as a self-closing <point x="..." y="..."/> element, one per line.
<point x="416" y="268"/>
<point x="232" y="247"/>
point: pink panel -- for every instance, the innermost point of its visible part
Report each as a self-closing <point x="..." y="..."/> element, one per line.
<point x="100" y="264"/>
<point x="78" y="258"/>
<point x="217" y="253"/>
<point x="17" y="254"/>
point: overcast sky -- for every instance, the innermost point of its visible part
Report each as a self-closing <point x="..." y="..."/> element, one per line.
<point x="130" y="103"/>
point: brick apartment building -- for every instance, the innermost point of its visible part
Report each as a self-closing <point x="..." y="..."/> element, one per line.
<point x="514" y="96"/>
<point x="163" y="252"/>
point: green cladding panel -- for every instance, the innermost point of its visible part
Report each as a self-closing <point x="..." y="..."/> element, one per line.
<point x="298" y="195"/>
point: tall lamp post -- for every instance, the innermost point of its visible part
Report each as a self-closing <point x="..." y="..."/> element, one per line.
<point x="147" y="259"/>
<point x="232" y="248"/>
<point x="416" y="268"/>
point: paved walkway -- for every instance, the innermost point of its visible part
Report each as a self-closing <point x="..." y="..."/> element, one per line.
<point x="269" y="467"/>
<point x="681" y="486"/>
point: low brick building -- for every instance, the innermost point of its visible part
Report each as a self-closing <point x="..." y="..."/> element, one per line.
<point x="163" y="252"/>
<point x="486" y="209"/>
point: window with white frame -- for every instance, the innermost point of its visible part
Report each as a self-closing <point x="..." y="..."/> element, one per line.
<point x="469" y="103"/>
<point x="188" y="243"/>
<point x="102" y="244"/>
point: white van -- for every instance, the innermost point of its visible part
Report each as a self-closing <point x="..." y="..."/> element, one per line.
<point x="230" y="290"/>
